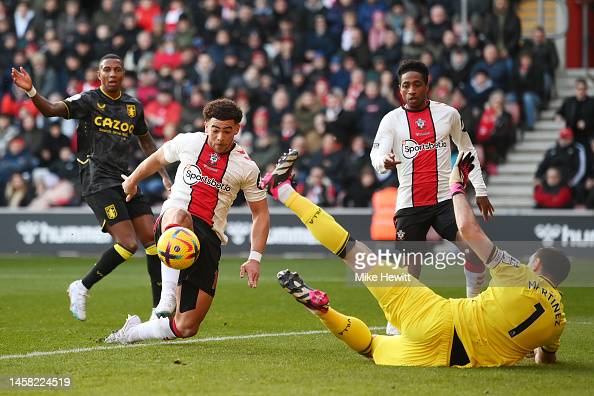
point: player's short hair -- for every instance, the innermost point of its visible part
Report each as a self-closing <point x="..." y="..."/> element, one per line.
<point x="555" y="264"/>
<point x="110" y="56"/>
<point x="413" y="65"/>
<point x="222" y="109"/>
<point x="582" y="81"/>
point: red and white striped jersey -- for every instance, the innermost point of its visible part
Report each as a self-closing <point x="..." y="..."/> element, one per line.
<point x="206" y="183"/>
<point x="421" y="141"/>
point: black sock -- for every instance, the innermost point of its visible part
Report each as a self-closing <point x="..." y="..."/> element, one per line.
<point x="153" y="266"/>
<point x="107" y="263"/>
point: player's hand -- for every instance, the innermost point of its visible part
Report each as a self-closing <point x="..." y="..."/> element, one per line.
<point x="130" y="189"/>
<point x="21" y="78"/>
<point x="390" y="161"/>
<point x="462" y="168"/>
<point x="252" y="269"/>
<point x="542" y="357"/>
<point x="485" y="207"/>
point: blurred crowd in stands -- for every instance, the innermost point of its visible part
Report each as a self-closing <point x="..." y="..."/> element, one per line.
<point x="316" y="75"/>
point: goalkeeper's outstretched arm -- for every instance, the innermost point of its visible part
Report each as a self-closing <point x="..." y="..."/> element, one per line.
<point x="468" y="227"/>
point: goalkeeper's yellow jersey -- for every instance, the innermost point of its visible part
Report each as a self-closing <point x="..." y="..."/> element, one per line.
<point x="518" y="312"/>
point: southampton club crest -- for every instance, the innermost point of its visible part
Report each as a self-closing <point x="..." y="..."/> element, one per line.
<point x="420" y="123"/>
<point x="131" y="110"/>
<point x="214" y="158"/>
<point x="400" y="235"/>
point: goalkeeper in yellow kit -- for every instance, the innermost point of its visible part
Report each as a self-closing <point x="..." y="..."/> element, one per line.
<point x="519" y="313"/>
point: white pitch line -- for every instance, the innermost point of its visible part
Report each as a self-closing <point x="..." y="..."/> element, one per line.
<point x="174" y="342"/>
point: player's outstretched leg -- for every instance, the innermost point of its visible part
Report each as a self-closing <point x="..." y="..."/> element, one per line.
<point x="349" y="329"/>
<point x="321" y="225"/>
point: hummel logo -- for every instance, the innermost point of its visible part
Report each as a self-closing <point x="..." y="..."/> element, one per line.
<point x="100" y="106"/>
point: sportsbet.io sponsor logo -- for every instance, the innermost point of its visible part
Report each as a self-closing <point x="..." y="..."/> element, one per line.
<point x="193" y="175"/>
<point x="411" y="148"/>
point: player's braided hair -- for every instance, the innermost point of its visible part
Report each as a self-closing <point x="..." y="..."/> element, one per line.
<point x="222" y="109"/>
<point x="408" y="65"/>
<point x="555" y="264"/>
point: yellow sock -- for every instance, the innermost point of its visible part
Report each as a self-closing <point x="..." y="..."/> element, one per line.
<point x="349" y="329"/>
<point x="321" y="225"/>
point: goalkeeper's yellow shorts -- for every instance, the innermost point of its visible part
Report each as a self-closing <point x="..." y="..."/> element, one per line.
<point x="424" y="318"/>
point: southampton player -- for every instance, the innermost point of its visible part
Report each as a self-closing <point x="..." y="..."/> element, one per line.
<point x="212" y="170"/>
<point x="414" y="139"/>
<point x="519" y="313"/>
<point x="108" y="118"/>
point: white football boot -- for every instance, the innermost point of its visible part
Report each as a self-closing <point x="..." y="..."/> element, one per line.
<point x="122" y="335"/>
<point x="166" y="306"/>
<point x="78" y="299"/>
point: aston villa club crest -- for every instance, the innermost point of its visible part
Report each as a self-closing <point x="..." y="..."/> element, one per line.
<point x="214" y="158"/>
<point x="131" y="110"/>
<point x="400" y="235"/>
<point x="420" y="123"/>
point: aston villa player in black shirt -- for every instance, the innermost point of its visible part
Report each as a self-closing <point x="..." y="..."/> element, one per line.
<point x="107" y="120"/>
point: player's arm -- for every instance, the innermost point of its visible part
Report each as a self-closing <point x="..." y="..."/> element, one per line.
<point x="382" y="157"/>
<point x="23" y="80"/>
<point x="260" y="228"/>
<point x="468" y="227"/>
<point x="149" y="166"/>
<point x="148" y="147"/>
<point x="464" y="144"/>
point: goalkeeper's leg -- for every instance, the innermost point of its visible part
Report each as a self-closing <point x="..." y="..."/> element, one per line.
<point x="349" y="329"/>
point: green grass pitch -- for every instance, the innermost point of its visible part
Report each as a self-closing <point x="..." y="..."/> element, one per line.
<point x="34" y="317"/>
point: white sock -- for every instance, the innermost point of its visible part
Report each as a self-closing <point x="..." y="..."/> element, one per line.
<point x="392" y="330"/>
<point x="474" y="282"/>
<point x="157" y="329"/>
<point x="284" y="192"/>
<point x="169" y="277"/>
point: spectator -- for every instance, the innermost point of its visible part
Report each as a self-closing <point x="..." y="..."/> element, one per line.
<point x="554" y="192"/>
<point x="527" y="83"/>
<point x="391" y="49"/>
<point x="306" y="107"/>
<point x="503" y="28"/>
<point x="161" y="111"/>
<point x="331" y="158"/>
<point x="17" y="193"/>
<point x="371" y="108"/>
<point x="458" y="67"/>
<point x="17" y="159"/>
<point x="496" y="132"/>
<point x="320" y="40"/>
<point x="318" y="188"/>
<point x="480" y="87"/>
<point x="578" y="113"/>
<point x="568" y="156"/>
<point x="45" y="79"/>
<point x="50" y="190"/>
<point x="53" y="141"/>
<point x="31" y="135"/>
<point x="377" y="34"/>
<point x="438" y="24"/>
<point x="23" y="15"/>
<point x="147" y="13"/>
<point x="288" y="130"/>
<point x="544" y="53"/>
<point x="339" y="122"/>
<point x="495" y="67"/>
<point x="7" y="133"/>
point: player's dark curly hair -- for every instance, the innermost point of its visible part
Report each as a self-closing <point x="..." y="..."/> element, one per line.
<point x="222" y="109"/>
<point x="555" y="264"/>
<point x="408" y="65"/>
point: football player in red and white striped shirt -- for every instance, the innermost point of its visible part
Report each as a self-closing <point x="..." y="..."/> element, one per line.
<point x="414" y="139"/>
<point x="212" y="170"/>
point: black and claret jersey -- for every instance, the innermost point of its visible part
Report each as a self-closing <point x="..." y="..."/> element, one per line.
<point x="105" y="130"/>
